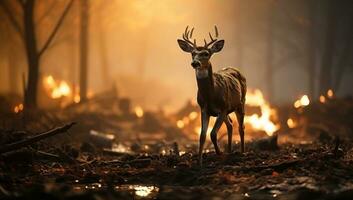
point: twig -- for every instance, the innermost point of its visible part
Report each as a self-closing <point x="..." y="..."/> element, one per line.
<point x="17" y="145"/>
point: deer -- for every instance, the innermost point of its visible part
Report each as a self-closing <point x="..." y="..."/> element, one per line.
<point x="218" y="93"/>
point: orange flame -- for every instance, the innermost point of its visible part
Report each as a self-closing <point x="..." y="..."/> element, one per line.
<point x="330" y="93"/>
<point x="291" y="123"/>
<point x="138" y="111"/>
<point x="18" y="108"/>
<point x="263" y="122"/>
<point x="302" y="102"/>
<point x="56" y="89"/>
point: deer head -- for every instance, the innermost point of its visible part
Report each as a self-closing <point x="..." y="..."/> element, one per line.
<point x="200" y="54"/>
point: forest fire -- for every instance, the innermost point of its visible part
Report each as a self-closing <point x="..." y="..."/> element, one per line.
<point x="56" y="88"/>
<point x="138" y="111"/>
<point x="330" y="93"/>
<point x="155" y="99"/>
<point x="291" y="123"/>
<point x="302" y="102"/>
<point x="260" y="122"/>
<point x="18" y="108"/>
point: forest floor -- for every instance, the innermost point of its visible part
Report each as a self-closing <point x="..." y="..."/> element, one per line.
<point x="310" y="171"/>
<point x="76" y="166"/>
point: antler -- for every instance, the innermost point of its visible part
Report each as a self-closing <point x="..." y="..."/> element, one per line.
<point x="212" y="40"/>
<point x="187" y="35"/>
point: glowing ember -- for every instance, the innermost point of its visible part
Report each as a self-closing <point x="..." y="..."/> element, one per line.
<point x="291" y="123"/>
<point x="120" y="148"/>
<point x="77" y="98"/>
<point x="329" y="93"/>
<point x="180" y="124"/>
<point x="143" y="191"/>
<point x="302" y="102"/>
<point x="186" y="120"/>
<point x="18" y="108"/>
<point x="193" y="115"/>
<point x="139" y="111"/>
<point x="322" y="99"/>
<point x="57" y="89"/>
<point x="263" y="122"/>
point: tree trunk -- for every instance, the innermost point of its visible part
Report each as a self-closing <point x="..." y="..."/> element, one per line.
<point x="239" y="36"/>
<point x="32" y="56"/>
<point x="329" y="49"/>
<point x="269" y="58"/>
<point x="311" y="50"/>
<point x="13" y="70"/>
<point x="103" y="50"/>
<point x="84" y="49"/>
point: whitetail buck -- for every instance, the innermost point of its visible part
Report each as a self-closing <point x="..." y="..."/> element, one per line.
<point x="219" y="93"/>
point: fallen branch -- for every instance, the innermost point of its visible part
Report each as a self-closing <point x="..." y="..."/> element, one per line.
<point x="26" y="142"/>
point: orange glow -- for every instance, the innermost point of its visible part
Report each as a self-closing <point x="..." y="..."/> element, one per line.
<point x="198" y="130"/>
<point x="18" y="108"/>
<point x="330" y="93"/>
<point x="322" y="99"/>
<point x="291" y="123"/>
<point x="263" y="122"/>
<point x="193" y="115"/>
<point x="302" y="102"/>
<point x="139" y="111"/>
<point x="77" y="98"/>
<point x="180" y="124"/>
<point x="56" y="89"/>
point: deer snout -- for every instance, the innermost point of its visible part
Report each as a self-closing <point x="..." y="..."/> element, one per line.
<point x="195" y="64"/>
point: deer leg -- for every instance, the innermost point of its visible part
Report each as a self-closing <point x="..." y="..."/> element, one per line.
<point x="204" y="126"/>
<point x="228" y="122"/>
<point x="240" y="117"/>
<point x="214" y="131"/>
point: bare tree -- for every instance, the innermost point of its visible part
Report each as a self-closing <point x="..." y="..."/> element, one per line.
<point x="26" y="28"/>
<point x="84" y="26"/>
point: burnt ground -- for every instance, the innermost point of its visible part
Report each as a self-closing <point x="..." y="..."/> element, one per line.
<point x="75" y="166"/>
<point x="310" y="171"/>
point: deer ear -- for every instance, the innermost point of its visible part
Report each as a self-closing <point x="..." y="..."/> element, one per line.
<point x="217" y="47"/>
<point x="185" y="46"/>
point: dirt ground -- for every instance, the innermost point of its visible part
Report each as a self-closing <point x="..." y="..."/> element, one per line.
<point x="159" y="162"/>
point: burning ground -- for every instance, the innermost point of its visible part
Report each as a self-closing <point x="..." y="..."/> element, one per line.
<point x="119" y="150"/>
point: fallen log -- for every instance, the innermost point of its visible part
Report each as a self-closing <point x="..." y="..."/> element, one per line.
<point x="26" y="142"/>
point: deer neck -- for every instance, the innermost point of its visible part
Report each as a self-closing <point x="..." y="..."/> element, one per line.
<point x="205" y="84"/>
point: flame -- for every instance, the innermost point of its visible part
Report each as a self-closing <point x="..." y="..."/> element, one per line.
<point x="330" y="93"/>
<point x="139" y="111"/>
<point x="144" y="191"/>
<point x="18" y="108"/>
<point x="77" y="98"/>
<point x="322" y="99"/>
<point x="291" y="123"/>
<point x="57" y="89"/>
<point x="302" y="102"/>
<point x="193" y="115"/>
<point x="180" y="124"/>
<point x="263" y="122"/>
